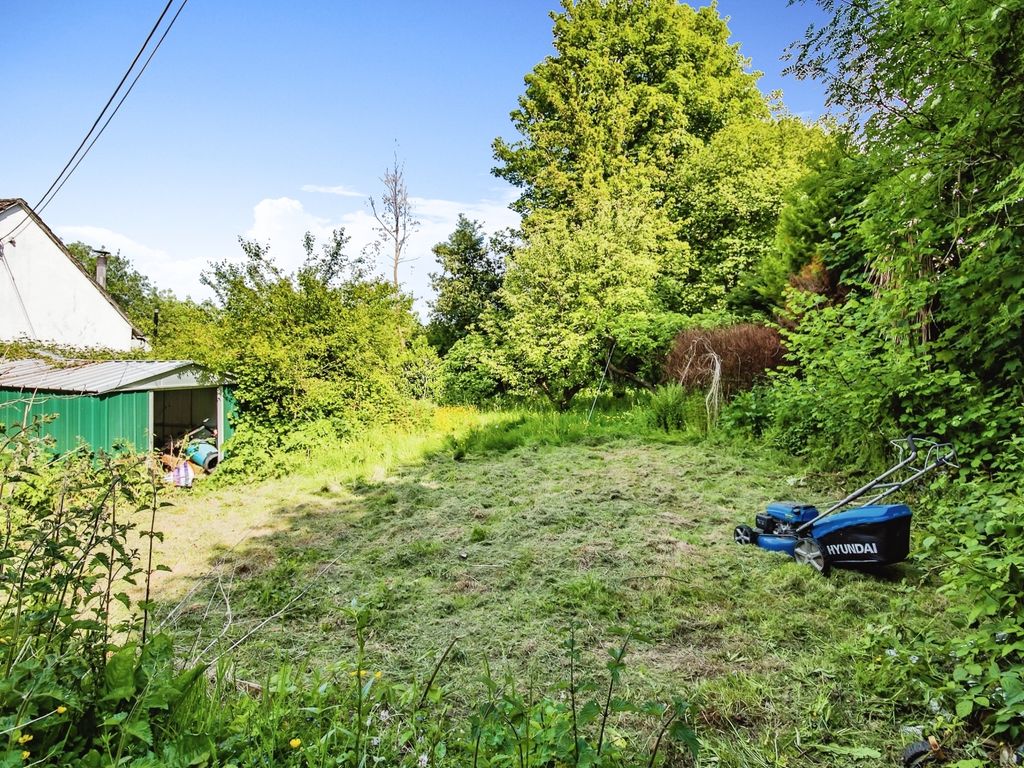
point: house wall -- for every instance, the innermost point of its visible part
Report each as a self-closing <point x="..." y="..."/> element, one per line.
<point x="49" y="299"/>
<point x="105" y="422"/>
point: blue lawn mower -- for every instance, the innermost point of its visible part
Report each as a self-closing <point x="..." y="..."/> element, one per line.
<point x="845" y="536"/>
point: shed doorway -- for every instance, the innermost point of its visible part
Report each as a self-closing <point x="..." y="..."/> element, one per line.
<point x="176" y="412"/>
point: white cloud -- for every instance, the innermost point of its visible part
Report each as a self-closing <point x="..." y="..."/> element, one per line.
<point x="282" y="222"/>
<point x="181" y="275"/>
<point x="339" y="189"/>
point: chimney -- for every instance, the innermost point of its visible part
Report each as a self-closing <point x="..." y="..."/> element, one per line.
<point x="101" y="266"/>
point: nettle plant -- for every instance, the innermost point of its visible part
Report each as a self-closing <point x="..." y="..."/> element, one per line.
<point x="582" y="726"/>
<point x="84" y="680"/>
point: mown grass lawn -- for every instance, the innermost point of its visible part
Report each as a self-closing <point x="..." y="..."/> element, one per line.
<point x="504" y="543"/>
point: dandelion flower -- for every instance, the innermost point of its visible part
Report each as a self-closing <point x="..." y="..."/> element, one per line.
<point x="61" y="709"/>
<point x="295" y="743"/>
<point x="25" y="739"/>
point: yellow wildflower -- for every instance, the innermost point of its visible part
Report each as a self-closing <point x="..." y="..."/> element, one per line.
<point x="25" y="739"/>
<point x="61" y="709"/>
<point x="295" y="743"/>
<point x="360" y="672"/>
<point x="377" y="674"/>
<point x="25" y="755"/>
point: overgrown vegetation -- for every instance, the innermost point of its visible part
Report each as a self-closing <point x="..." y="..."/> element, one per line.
<point x="726" y="281"/>
<point x="520" y="529"/>
<point x="85" y="687"/>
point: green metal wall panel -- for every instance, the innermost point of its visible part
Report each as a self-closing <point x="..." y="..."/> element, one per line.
<point x="128" y="420"/>
<point x="103" y="422"/>
<point x="227" y="429"/>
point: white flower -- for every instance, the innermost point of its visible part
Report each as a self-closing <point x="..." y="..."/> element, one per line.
<point x="375" y="741"/>
<point x="384" y="715"/>
<point x="424" y="761"/>
<point x="913" y="659"/>
<point x="890" y="651"/>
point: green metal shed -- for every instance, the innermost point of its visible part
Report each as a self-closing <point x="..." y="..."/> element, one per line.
<point x="115" y="404"/>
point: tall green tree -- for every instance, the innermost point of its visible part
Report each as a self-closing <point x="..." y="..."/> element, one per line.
<point x="576" y="290"/>
<point x="644" y="117"/>
<point x="471" y="274"/>
<point x="729" y="196"/>
<point x="634" y="87"/>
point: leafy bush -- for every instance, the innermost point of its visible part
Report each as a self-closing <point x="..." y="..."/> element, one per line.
<point x="672" y="407"/>
<point x="970" y="671"/>
<point x="853" y="386"/>
<point x="315" y="355"/>
<point x="473" y="372"/>
<point x="86" y="680"/>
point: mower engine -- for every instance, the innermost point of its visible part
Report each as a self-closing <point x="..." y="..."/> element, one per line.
<point x="784" y="517"/>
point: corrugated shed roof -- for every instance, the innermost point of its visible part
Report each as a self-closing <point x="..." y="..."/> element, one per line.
<point x="85" y="377"/>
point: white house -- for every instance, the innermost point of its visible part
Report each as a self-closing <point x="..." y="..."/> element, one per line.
<point x="45" y="294"/>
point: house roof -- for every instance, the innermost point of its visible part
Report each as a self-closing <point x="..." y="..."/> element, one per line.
<point x="11" y="202"/>
<point x="90" y="377"/>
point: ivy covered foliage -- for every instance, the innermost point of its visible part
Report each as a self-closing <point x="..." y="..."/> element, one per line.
<point x="897" y="278"/>
<point x="919" y="322"/>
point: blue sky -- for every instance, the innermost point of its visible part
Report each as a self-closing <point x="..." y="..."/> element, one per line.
<point x="268" y="119"/>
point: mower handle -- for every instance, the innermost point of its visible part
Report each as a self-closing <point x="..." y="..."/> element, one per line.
<point x="905" y="463"/>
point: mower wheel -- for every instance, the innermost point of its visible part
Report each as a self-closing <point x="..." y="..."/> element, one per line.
<point x="744" y="534"/>
<point x="919" y="753"/>
<point x="808" y="552"/>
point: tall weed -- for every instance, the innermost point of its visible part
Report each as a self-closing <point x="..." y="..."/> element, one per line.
<point x="85" y="682"/>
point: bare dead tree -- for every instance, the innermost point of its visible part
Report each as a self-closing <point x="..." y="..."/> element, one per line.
<point x="394" y="214"/>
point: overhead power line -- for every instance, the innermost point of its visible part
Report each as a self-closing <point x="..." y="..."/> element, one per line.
<point x="40" y="208"/>
<point x="92" y="136"/>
